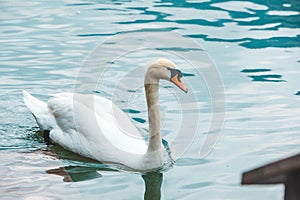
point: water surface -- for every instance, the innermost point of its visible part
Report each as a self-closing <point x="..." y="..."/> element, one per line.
<point x="254" y="45"/>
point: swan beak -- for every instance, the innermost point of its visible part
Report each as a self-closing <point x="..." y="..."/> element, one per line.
<point x="176" y="80"/>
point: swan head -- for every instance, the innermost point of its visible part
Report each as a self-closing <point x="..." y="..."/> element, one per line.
<point x="166" y="70"/>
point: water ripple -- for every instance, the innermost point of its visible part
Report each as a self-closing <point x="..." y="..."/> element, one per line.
<point x="263" y="77"/>
<point x="43" y="44"/>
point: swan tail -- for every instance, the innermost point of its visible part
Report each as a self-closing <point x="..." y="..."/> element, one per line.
<point x="39" y="110"/>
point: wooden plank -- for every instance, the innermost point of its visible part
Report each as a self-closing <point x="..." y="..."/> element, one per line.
<point x="292" y="186"/>
<point x="273" y="173"/>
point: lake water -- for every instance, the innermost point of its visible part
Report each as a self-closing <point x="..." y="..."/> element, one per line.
<point x="254" y="46"/>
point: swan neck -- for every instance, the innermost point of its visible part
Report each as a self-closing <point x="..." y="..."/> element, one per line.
<point x="155" y="139"/>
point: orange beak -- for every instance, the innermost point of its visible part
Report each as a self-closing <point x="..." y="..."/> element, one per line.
<point x="176" y="80"/>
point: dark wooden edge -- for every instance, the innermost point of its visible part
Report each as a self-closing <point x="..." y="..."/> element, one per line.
<point x="273" y="173"/>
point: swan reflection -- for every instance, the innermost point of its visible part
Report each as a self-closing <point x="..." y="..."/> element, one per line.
<point x="152" y="180"/>
<point x="77" y="168"/>
<point x="75" y="173"/>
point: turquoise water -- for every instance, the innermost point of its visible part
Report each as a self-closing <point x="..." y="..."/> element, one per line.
<point x="254" y="45"/>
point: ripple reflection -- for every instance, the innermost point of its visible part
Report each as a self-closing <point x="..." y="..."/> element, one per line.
<point x="263" y="77"/>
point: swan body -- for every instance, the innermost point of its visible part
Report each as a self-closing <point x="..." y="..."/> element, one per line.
<point x="95" y="127"/>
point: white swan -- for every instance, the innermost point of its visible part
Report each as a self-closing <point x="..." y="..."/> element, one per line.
<point x="95" y="127"/>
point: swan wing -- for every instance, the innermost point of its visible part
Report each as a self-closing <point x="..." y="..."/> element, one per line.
<point x="93" y="126"/>
<point x="104" y="108"/>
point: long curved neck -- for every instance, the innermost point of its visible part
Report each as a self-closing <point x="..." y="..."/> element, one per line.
<point x="155" y="143"/>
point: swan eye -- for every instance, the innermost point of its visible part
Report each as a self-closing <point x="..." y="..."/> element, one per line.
<point x="175" y="72"/>
<point x="179" y="73"/>
<point x="176" y="78"/>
